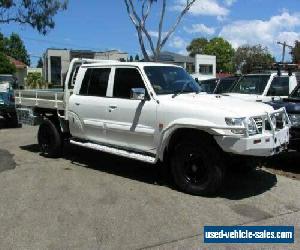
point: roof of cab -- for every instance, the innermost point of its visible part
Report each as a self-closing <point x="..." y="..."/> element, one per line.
<point x="131" y="64"/>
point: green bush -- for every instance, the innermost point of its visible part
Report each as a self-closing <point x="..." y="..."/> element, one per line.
<point x="35" y="81"/>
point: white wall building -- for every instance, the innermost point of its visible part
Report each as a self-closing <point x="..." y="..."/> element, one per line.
<point x="205" y="67"/>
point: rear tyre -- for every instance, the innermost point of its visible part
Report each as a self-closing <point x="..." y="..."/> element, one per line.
<point x="196" y="166"/>
<point x="50" y="139"/>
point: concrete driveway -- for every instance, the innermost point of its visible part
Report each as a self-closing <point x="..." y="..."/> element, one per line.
<point x="91" y="200"/>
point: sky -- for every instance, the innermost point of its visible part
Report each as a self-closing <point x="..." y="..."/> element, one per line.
<point x="102" y="25"/>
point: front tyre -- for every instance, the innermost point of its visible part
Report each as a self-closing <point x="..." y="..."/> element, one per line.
<point x="50" y="139"/>
<point x="197" y="166"/>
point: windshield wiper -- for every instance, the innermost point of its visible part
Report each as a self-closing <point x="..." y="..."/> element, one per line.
<point x="182" y="90"/>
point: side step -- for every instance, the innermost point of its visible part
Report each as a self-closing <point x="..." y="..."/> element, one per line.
<point x="116" y="151"/>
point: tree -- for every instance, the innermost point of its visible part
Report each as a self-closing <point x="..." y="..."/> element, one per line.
<point x="40" y="63"/>
<point x="197" y="46"/>
<point x="223" y="51"/>
<point x="247" y="58"/>
<point x="36" y="13"/>
<point x="131" y="59"/>
<point x="218" y="47"/>
<point x="6" y="67"/>
<point x="296" y="52"/>
<point x="2" y="42"/>
<point x="15" y="48"/>
<point x="137" y="58"/>
<point x="139" y="22"/>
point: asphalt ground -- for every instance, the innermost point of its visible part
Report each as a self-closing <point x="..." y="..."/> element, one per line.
<point x="92" y="200"/>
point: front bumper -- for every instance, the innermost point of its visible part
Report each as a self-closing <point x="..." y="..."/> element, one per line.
<point x="272" y="137"/>
<point x="262" y="145"/>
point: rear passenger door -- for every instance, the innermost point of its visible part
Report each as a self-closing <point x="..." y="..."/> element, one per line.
<point x="90" y="105"/>
<point x="130" y="123"/>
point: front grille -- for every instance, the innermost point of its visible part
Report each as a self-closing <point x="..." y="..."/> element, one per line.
<point x="259" y="124"/>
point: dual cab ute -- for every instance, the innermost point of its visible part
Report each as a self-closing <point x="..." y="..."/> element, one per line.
<point x="264" y="87"/>
<point x="154" y="113"/>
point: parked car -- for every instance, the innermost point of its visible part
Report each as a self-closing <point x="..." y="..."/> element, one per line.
<point x="8" y="84"/>
<point x="201" y="77"/>
<point x="264" y="87"/>
<point x="218" y="85"/>
<point x="153" y="112"/>
<point x="292" y="106"/>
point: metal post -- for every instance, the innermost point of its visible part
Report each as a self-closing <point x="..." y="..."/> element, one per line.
<point x="284" y="45"/>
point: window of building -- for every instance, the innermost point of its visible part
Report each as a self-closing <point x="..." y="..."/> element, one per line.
<point x="125" y="80"/>
<point x="55" y="64"/>
<point x="206" y="69"/>
<point x="279" y="86"/>
<point x="95" y="82"/>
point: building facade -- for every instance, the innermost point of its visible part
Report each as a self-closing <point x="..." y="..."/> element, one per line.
<point x="200" y="66"/>
<point x="56" y="61"/>
<point x="186" y="62"/>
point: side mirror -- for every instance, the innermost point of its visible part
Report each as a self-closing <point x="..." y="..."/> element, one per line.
<point x="137" y="94"/>
<point x="197" y="80"/>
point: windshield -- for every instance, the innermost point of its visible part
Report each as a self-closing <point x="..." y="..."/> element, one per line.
<point x="208" y="86"/>
<point x="225" y="85"/>
<point x="170" y="80"/>
<point x="296" y="92"/>
<point x="6" y="79"/>
<point x="251" y="84"/>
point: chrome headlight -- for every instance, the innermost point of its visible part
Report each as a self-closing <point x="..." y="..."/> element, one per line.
<point x="242" y="122"/>
<point x="235" y="121"/>
<point x="295" y="119"/>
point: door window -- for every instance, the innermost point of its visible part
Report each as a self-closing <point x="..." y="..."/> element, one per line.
<point x="279" y="86"/>
<point x="125" y="80"/>
<point x="95" y="82"/>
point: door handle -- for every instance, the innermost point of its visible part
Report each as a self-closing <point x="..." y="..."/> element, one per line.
<point x="77" y="103"/>
<point x="111" y="108"/>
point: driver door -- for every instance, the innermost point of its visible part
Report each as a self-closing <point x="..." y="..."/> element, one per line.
<point x="130" y="123"/>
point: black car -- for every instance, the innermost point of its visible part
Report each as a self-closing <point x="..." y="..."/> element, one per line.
<point x="292" y="106"/>
<point x="218" y="85"/>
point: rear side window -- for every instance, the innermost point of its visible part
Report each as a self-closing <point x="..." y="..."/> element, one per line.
<point x="95" y="82"/>
<point x="125" y="80"/>
<point x="279" y="86"/>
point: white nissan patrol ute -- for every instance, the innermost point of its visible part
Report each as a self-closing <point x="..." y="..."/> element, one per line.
<point x="154" y="113"/>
